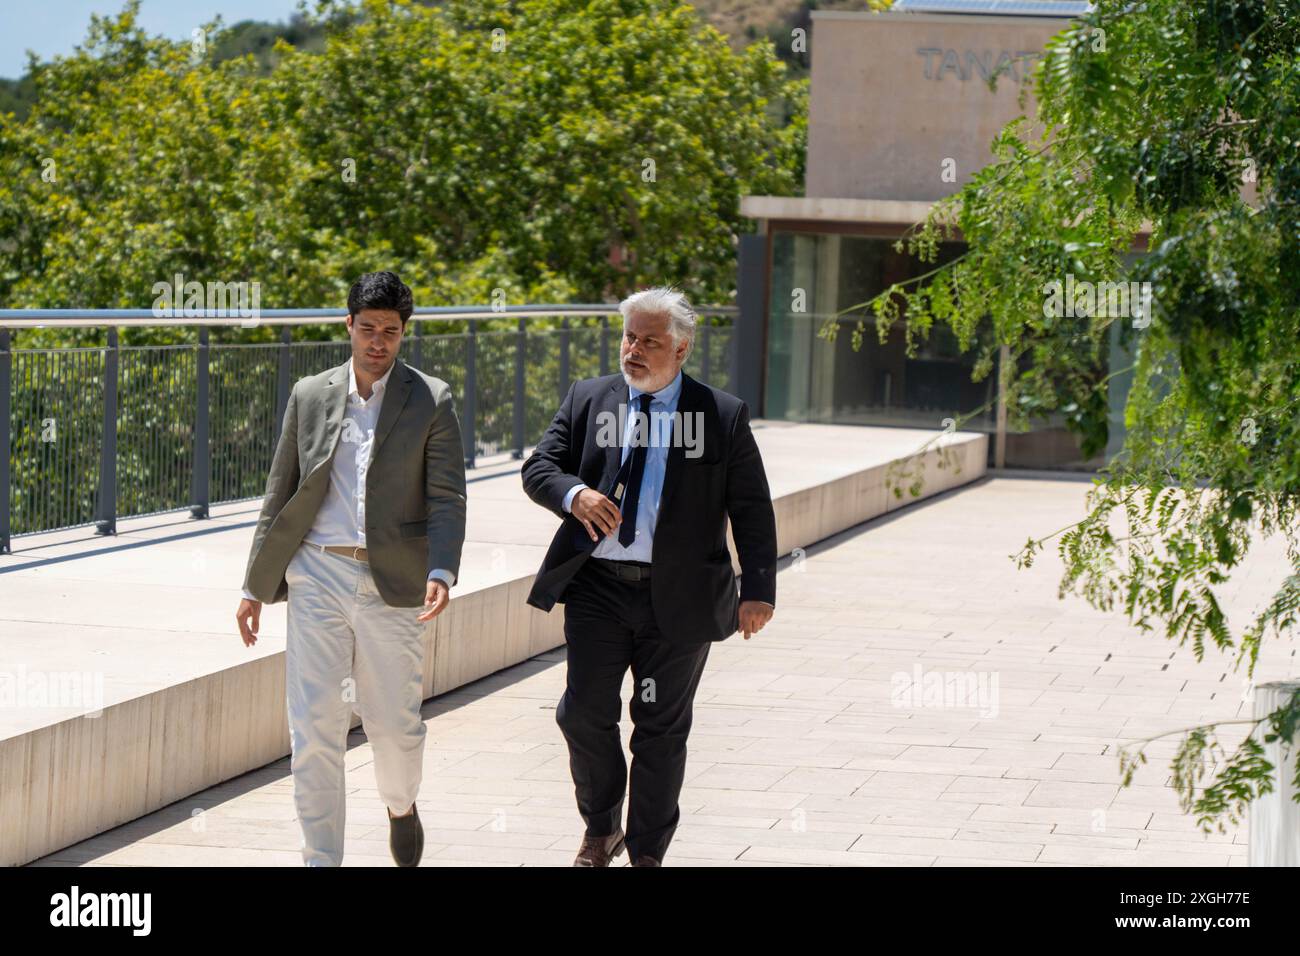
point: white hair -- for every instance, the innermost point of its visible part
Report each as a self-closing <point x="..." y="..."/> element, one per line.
<point x="663" y="300"/>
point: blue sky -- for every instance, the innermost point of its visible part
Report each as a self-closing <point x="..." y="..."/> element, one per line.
<point x="51" y="27"/>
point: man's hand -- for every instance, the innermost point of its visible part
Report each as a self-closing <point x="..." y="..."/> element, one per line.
<point x="594" y="510"/>
<point x="753" y="615"/>
<point x="248" y="609"/>
<point x="436" y="599"/>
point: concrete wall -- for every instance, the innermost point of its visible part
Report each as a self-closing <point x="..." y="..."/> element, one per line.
<point x="895" y="95"/>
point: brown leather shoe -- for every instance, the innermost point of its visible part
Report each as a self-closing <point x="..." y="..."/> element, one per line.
<point x="645" y="861"/>
<point x="598" y="851"/>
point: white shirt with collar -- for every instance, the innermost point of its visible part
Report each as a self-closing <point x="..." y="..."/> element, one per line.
<point x="342" y="515"/>
<point x="659" y="436"/>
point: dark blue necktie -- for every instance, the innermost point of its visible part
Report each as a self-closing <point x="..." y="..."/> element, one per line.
<point x="627" y="530"/>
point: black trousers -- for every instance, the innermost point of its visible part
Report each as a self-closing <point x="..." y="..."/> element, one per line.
<point x="609" y="625"/>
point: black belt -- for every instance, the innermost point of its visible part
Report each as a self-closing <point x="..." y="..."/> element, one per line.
<point x="626" y="570"/>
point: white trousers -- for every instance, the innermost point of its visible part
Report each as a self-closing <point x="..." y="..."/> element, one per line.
<point x="346" y="648"/>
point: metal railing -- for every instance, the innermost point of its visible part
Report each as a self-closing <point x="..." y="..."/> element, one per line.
<point x="94" y="433"/>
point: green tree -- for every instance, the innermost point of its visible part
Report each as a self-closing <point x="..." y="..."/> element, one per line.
<point x="485" y="151"/>
<point x="1185" y="116"/>
<point x="606" y="141"/>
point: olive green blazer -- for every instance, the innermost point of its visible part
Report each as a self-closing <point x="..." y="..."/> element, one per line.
<point x="415" y="484"/>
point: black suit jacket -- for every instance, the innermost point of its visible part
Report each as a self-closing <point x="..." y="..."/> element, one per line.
<point x="693" y="586"/>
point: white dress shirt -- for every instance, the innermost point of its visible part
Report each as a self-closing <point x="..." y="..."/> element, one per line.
<point x="342" y="515"/>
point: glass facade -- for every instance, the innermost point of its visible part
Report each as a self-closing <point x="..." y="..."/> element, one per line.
<point x="815" y="276"/>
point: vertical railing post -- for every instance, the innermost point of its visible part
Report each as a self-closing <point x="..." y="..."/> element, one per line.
<point x="1000" y="434"/>
<point x="106" y="507"/>
<point x="747" y="333"/>
<point x="282" y="383"/>
<point x="604" y="345"/>
<point x="417" y="345"/>
<point x="704" y="343"/>
<point x="6" y="379"/>
<point x="469" y="404"/>
<point x="201" y="479"/>
<point x="1120" y="358"/>
<point x="564" y="356"/>
<point x="733" y="355"/>
<point x="521" y="345"/>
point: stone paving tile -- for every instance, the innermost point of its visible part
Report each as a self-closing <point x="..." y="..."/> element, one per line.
<point x="814" y="857"/>
<point x="975" y="849"/>
<point x="803" y="753"/>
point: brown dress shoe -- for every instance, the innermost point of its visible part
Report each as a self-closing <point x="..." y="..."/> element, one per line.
<point x="597" y="851"/>
<point x="645" y="861"/>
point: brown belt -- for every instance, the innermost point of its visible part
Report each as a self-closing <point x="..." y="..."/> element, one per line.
<point x="357" y="554"/>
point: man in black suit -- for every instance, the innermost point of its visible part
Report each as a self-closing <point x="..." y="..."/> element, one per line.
<point x="644" y="468"/>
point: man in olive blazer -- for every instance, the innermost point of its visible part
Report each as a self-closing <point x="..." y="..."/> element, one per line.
<point x="363" y="521"/>
<point x="415" y="507"/>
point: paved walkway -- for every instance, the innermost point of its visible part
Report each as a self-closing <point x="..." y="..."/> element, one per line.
<point x="799" y="754"/>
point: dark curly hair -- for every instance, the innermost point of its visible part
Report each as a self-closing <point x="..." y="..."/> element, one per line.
<point x="380" y="290"/>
